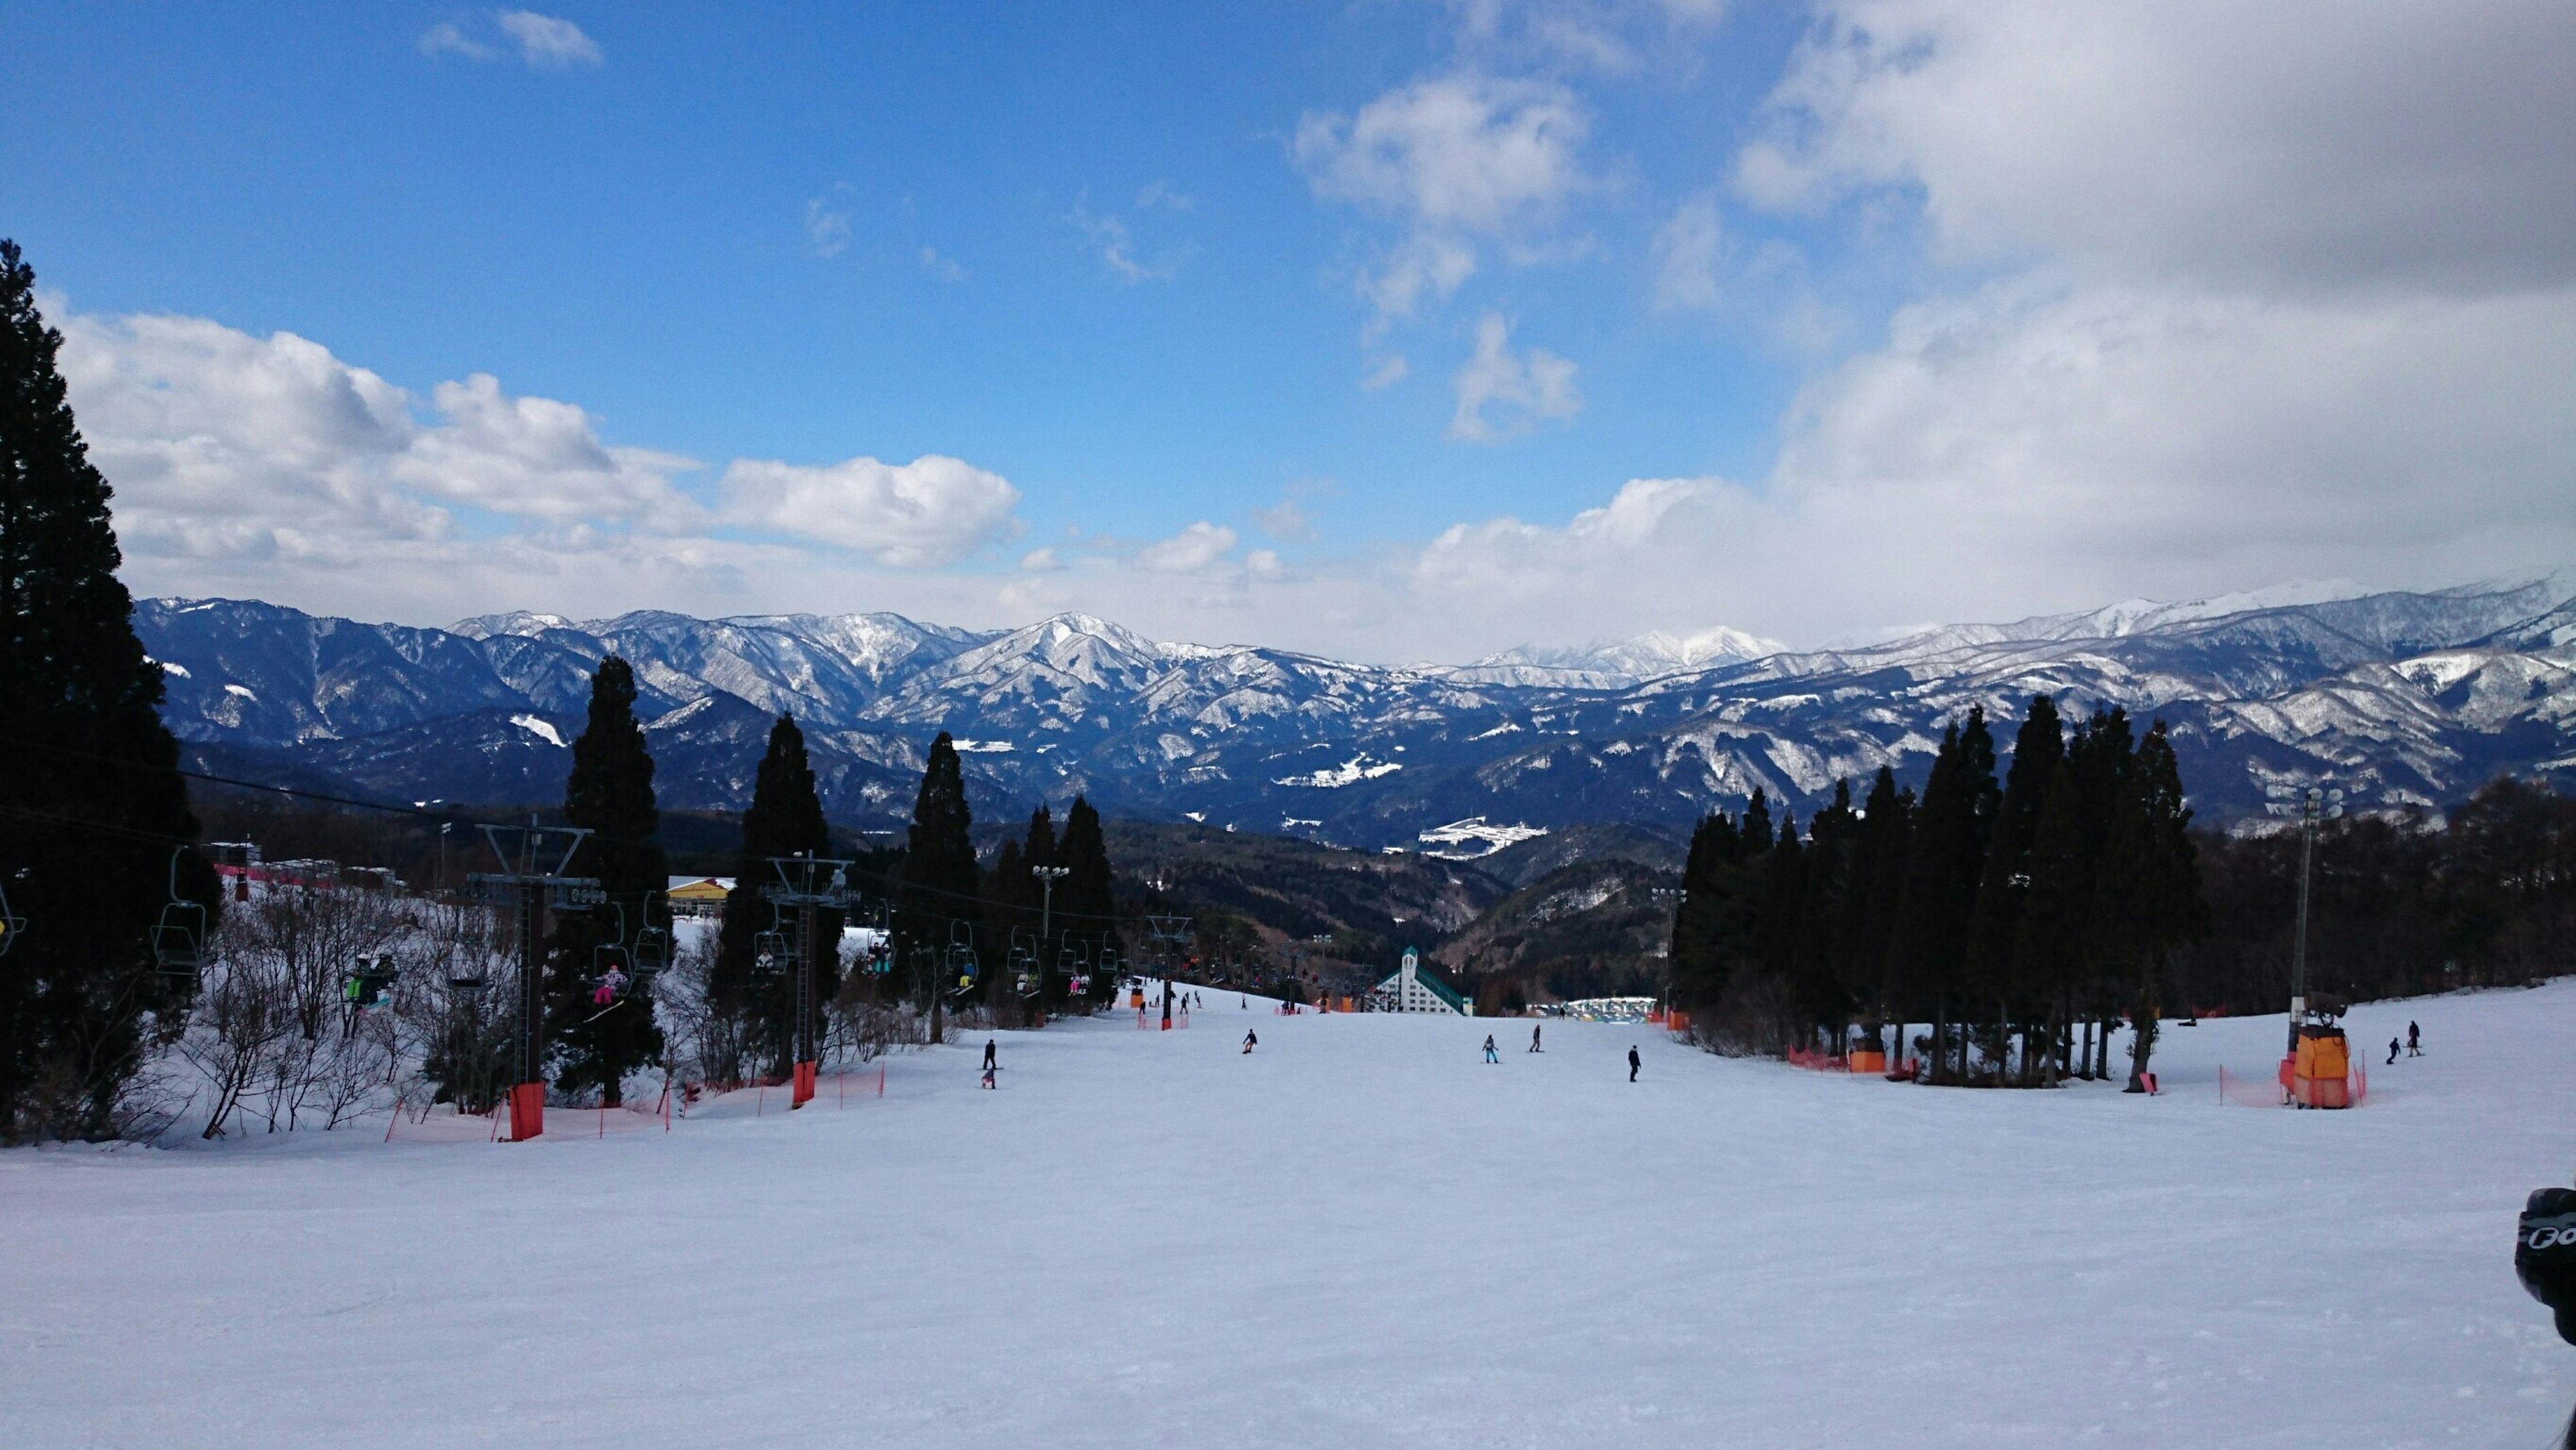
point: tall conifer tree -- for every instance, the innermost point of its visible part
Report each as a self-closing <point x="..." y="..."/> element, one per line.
<point x="785" y="819"/>
<point x="610" y="792"/>
<point x="1876" y="875"/>
<point x="2003" y="882"/>
<point x="90" y="811"/>
<point x="1928" y="947"/>
<point x="941" y="881"/>
<point x="1087" y="898"/>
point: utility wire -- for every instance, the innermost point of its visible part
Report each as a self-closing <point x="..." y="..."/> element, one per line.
<point x="889" y="881"/>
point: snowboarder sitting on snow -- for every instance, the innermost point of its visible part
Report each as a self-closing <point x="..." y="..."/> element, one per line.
<point x="1634" y="1062"/>
<point x="1489" y="1048"/>
<point x="1248" y="1041"/>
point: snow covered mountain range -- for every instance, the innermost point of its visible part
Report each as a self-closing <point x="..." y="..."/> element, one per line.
<point x="2398" y="698"/>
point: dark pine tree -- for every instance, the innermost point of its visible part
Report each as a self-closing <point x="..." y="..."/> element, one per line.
<point x="93" y="823"/>
<point x="1780" y="916"/>
<point x="2103" y="755"/>
<point x="1086" y="904"/>
<point x="1876" y="875"/>
<point x="2050" y="933"/>
<point x="785" y="819"/>
<point x="1818" y="993"/>
<point x="1927" y="949"/>
<point x="2165" y="903"/>
<point x="1696" y="965"/>
<point x="940" y="899"/>
<point x="611" y="793"/>
<point x="2004" y="881"/>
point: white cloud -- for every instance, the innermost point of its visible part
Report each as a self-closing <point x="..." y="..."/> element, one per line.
<point x="1688" y="250"/>
<point x="537" y="456"/>
<point x="1265" y="564"/>
<point x="1455" y="159"/>
<point x="2294" y="145"/>
<point x="542" y="42"/>
<point x="1109" y="238"/>
<point x="548" y="42"/>
<point x="827" y="228"/>
<point x="1521" y="388"/>
<point x="934" y="510"/>
<point x="1285" y="519"/>
<point x="1386" y="374"/>
<point x="1163" y="194"/>
<point x="1193" y="550"/>
<point x="946" y="269"/>
<point x="1042" y="561"/>
<point x="1462" y="152"/>
<point x="447" y="37"/>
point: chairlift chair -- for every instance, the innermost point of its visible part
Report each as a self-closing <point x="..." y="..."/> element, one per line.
<point x="10" y="923"/>
<point x="768" y="952"/>
<point x="370" y="984"/>
<point x="179" y="937"/>
<point x="961" y="955"/>
<point x="651" y="954"/>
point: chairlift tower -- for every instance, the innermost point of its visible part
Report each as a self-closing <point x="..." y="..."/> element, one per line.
<point x="534" y="862"/>
<point x="811" y="885"/>
<point x="1168" y="929"/>
<point x="2314" y="805"/>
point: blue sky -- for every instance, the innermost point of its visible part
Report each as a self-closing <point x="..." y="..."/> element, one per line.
<point x="1395" y="329"/>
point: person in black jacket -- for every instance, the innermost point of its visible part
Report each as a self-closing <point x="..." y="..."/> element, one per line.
<point x="2544" y="1258"/>
<point x="1634" y="1062"/>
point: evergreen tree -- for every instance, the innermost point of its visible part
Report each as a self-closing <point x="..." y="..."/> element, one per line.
<point x="1927" y="949"/>
<point x="2004" y="880"/>
<point x="785" y="819"/>
<point x="91" y="812"/>
<point x="1086" y="902"/>
<point x="1777" y="926"/>
<point x="2163" y="902"/>
<point x="1868" y="912"/>
<point x="2050" y="928"/>
<point x="1819" y="994"/>
<point x="1697" y="969"/>
<point x="610" y="792"/>
<point x="2103" y="757"/>
<point x="941" y="881"/>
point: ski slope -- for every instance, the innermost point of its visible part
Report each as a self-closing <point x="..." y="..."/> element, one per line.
<point x="1358" y="1235"/>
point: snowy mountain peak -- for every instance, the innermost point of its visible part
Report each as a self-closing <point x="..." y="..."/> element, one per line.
<point x="1641" y="657"/>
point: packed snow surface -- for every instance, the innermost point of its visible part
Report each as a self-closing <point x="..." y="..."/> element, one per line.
<point x="1358" y="1235"/>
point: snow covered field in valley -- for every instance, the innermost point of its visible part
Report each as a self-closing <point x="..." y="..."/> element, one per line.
<point x="1360" y="1235"/>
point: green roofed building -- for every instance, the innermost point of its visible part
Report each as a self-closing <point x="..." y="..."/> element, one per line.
<point x="1412" y="989"/>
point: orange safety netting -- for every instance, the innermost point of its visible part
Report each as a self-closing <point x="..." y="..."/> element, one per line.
<point x="2286" y="1086"/>
<point x="444" y="1123"/>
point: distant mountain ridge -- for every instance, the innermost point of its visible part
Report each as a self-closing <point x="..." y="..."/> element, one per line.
<point x="2400" y="698"/>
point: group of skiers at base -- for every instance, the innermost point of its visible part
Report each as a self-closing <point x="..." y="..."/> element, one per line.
<point x="1252" y="1040"/>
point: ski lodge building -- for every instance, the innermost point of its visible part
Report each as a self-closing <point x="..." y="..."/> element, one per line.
<point x="1413" y="990"/>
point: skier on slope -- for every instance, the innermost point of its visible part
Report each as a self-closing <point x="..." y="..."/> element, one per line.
<point x="1534" y="1036"/>
<point x="2414" y="1040"/>
<point x="1489" y="1049"/>
<point x="990" y="1066"/>
<point x="1634" y="1062"/>
<point x="1248" y="1041"/>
